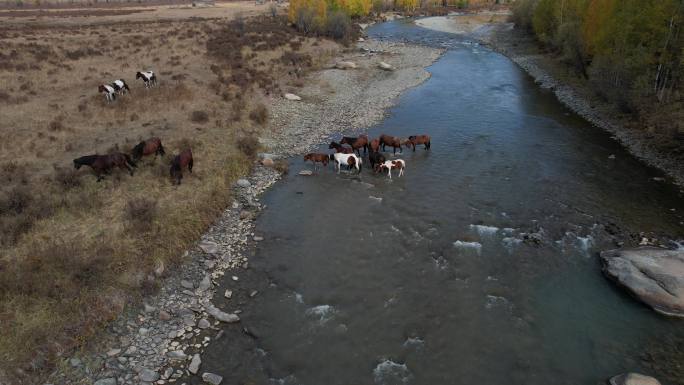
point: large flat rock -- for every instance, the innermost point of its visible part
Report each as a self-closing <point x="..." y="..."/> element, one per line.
<point x="653" y="275"/>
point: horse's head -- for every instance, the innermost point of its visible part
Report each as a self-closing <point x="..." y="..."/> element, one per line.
<point x="332" y="145"/>
<point x="345" y="140"/>
<point x="77" y="165"/>
<point x="138" y="75"/>
<point x="101" y="88"/>
<point x="308" y="157"/>
<point x="407" y="142"/>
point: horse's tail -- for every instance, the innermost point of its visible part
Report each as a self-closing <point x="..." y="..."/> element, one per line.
<point x="130" y="161"/>
<point x="428" y="144"/>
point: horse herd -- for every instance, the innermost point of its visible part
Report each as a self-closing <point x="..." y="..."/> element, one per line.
<point x="350" y="156"/>
<point x="104" y="164"/>
<point x="119" y="87"/>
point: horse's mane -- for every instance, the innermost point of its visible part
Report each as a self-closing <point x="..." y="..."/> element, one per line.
<point x="138" y="149"/>
<point x="86" y="160"/>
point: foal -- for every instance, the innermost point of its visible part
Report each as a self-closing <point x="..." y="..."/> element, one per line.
<point x="108" y="91"/>
<point x="317" y="158"/>
<point x="184" y="159"/>
<point x="393" y="164"/>
<point x="103" y="164"/>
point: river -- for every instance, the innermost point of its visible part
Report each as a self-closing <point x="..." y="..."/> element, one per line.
<point x="427" y="279"/>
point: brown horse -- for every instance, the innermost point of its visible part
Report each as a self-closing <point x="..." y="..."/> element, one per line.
<point x="387" y="140"/>
<point x="356" y="143"/>
<point x="317" y="158"/>
<point x="184" y="159"/>
<point x="147" y="147"/>
<point x="374" y="145"/>
<point x="103" y="164"/>
<point x="340" y="148"/>
<point x="414" y="140"/>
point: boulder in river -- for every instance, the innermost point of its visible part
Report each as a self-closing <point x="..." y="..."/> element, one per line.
<point x="633" y="379"/>
<point x="213" y="379"/>
<point x="195" y="364"/>
<point x="653" y="275"/>
<point x="220" y="315"/>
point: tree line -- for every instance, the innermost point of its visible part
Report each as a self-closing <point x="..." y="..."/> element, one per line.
<point x="632" y="51"/>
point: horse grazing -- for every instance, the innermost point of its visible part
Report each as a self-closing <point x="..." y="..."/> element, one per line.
<point x="351" y="160"/>
<point x="356" y="143"/>
<point x="340" y="148"/>
<point x="103" y="164"/>
<point x="375" y="158"/>
<point x="147" y="147"/>
<point x="398" y="164"/>
<point x="120" y="86"/>
<point x="184" y="159"/>
<point x="148" y="77"/>
<point x="108" y="91"/>
<point x="374" y="145"/>
<point x="414" y="140"/>
<point x="317" y="158"/>
<point x="387" y="140"/>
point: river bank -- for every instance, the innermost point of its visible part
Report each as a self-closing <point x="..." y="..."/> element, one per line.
<point x="492" y="30"/>
<point x="163" y="341"/>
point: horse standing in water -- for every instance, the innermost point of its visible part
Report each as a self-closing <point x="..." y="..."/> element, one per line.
<point x="340" y="148"/>
<point x="147" y="147"/>
<point x="351" y="160"/>
<point x="103" y="164"/>
<point x="374" y="145"/>
<point x="397" y="164"/>
<point x="317" y="158"/>
<point x="387" y="140"/>
<point x="414" y="140"/>
<point x="356" y="143"/>
<point x="180" y="161"/>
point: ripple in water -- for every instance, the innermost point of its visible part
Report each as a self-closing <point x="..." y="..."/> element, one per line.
<point x="388" y="372"/>
<point x="323" y="313"/>
<point x="485" y="231"/>
<point x="473" y="246"/>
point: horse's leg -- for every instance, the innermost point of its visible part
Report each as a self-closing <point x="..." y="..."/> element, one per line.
<point x="190" y="166"/>
<point x="414" y="147"/>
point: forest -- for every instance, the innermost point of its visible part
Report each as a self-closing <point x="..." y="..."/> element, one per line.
<point x="630" y="51"/>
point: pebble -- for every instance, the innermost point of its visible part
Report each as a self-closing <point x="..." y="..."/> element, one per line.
<point x="177" y="355"/>
<point x="258" y="238"/>
<point x="203" y="323"/>
<point x="205" y="284"/>
<point x="164" y="316"/>
<point x="195" y="364"/>
<point x="75" y="362"/>
<point x="106" y="381"/>
<point x="228" y="294"/>
<point x="213" y="379"/>
<point x="148" y="375"/>
<point x="187" y="284"/>
<point x="113" y="352"/>
<point x="306" y="172"/>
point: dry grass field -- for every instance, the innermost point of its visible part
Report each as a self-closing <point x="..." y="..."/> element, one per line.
<point x="74" y="252"/>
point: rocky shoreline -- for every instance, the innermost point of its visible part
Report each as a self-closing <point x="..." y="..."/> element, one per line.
<point x="162" y="341"/>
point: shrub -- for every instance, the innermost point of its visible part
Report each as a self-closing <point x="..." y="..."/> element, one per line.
<point x="249" y="145"/>
<point x="66" y="178"/>
<point x="338" y="26"/>
<point x="259" y="114"/>
<point x="199" y="116"/>
<point x="140" y="213"/>
<point x="281" y="166"/>
<point x="273" y="9"/>
<point x="56" y="125"/>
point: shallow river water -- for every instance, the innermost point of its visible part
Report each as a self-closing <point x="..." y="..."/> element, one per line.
<point x="425" y="279"/>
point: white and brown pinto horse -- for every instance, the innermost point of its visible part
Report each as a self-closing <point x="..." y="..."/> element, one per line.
<point x="350" y="160"/>
<point x="389" y="165"/>
<point x="108" y="91"/>
<point x="148" y="77"/>
<point x="120" y="86"/>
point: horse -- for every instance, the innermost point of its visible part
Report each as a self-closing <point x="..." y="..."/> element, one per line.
<point x="108" y="91"/>
<point x="340" y="148"/>
<point x="390" y="141"/>
<point x="375" y="158"/>
<point x="147" y="147"/>
<point x="374" y="145"/>
<point x="356" y="143"/>
<point x="103" y="164"/>
<point x="148" y="77"/>
<point x="317" y="158"/>
<point x="414" y="140"/>
<point x="351" y="160"/>
<point x="120" y="86"/>
<point x="393" y="164"/>
<point x="184" y="159"/>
